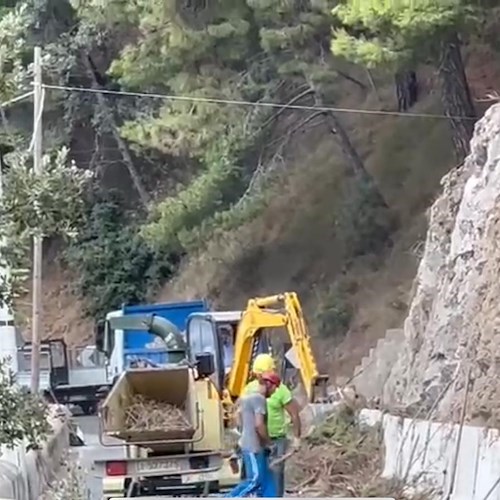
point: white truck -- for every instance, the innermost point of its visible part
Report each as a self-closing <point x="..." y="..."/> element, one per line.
<point x="71" y="376"/>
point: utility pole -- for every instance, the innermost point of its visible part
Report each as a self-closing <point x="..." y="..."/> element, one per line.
<point x="36" y="323"/>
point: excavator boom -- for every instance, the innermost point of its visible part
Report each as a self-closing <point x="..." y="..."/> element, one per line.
<point x="276" y="311"/>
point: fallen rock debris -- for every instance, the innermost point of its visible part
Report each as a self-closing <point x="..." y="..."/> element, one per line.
<point x="339" y="458"/>
<point x="145" y="414"/>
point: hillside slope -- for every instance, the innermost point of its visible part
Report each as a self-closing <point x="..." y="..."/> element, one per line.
<point x="291" y="243"/>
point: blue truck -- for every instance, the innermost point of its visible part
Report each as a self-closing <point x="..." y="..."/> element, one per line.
<point x="126" y="349"/>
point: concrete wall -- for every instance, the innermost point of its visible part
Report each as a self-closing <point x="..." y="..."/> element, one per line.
<point x="25" y="474"/>
<point x="428" y="453"/>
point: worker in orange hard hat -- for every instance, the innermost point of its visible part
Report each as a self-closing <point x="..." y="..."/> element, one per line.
<point x="280" y="405"/>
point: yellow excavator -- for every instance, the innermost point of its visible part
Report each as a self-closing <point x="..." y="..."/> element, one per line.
<point x="218" y="349"/>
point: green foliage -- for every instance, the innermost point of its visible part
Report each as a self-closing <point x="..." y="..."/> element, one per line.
<point x="14" y="23"/>
<point x="23" y="416"/>
<point x="47" y="205"/>
<point x="295" y="34"/>
<point x="340" y="428"/>
<point x="363" y="224"/>
<point x="396" y="33"/>
<point x="210" y="193"/>
<point x="111" y="261"/>
<point x="334" y="312"/>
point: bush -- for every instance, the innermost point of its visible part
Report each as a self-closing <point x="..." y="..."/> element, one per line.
<point x="334" y="313"/>
<point x="22" y="414"/>
<point x="112" y="262"/>
<point x="363" y="222"/>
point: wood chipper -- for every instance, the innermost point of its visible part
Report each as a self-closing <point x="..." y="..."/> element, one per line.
<point x="170" y="418"/>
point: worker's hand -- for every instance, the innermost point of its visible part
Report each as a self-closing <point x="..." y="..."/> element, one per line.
<point x="295" y="445"/>
<point x="270" y="449"/>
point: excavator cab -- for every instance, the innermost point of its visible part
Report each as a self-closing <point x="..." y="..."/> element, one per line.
<point x="217" y="333"/>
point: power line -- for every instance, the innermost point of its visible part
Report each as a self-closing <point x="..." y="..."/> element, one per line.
<point x="213" y="100"/>
<point x="16" y="99"/>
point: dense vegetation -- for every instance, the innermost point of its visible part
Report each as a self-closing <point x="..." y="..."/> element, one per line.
<point x="196" y="167"/>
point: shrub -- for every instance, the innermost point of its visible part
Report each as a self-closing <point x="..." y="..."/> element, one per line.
<point x="112" y="262"/>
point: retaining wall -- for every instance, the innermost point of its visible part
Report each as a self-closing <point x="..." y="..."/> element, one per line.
<point x="429" y="453"/>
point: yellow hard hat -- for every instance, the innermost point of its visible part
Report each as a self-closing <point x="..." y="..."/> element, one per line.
<point x="263" y="363"/>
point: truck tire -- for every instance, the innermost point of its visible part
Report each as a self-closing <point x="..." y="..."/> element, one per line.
<point x="88" y="408"/>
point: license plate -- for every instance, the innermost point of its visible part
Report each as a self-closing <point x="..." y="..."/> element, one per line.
<point x="199" y="477"/>
<point x="160" y="466"/>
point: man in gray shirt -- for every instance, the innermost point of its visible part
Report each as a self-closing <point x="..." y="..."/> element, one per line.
<point x="254" y="442"/>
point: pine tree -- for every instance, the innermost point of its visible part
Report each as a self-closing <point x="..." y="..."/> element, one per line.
<point x="296" y="34"/>
<point x="402" y="34"/>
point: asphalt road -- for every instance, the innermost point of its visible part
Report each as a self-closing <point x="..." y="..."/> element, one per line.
<point x="94" y="450"/>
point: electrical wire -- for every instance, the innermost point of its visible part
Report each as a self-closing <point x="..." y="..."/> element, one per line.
<point x="213" y="100"/>
<point x="16" y="99"/>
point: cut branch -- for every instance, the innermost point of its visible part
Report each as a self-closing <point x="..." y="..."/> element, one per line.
<point x="289" y="103"/>
<point x="357" y="82"/>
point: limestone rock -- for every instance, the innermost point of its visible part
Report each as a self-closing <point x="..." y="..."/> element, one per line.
<point x="454" y="317"/>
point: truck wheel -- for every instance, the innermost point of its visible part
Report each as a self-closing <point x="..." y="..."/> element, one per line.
<point x="88" y="408"/>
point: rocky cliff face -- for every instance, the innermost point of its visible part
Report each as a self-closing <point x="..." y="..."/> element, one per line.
<point x="452" y="332"/>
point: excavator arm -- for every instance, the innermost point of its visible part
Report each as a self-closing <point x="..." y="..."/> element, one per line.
<point x="282" y="310"/>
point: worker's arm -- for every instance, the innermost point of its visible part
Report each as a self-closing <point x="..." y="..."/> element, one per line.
<point x="260" y="409"/>
<point x="261" y="427"/>
<point x="293" y="409"/>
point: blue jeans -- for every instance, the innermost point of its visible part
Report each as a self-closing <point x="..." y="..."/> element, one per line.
<point x="259" y="480"/>
<point x="279" y="449"/>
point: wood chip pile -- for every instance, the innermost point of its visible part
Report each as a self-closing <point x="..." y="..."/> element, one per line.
<point x="145" y="414"/>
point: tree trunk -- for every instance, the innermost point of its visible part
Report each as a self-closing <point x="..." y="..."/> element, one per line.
<point x="456" y="97"/>
<point x="122" y="146"/>
<point x="406" y="89"/>
<point x="356" y="166"/>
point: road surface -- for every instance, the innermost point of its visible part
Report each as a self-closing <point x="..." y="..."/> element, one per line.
<point x="94" y="450"/>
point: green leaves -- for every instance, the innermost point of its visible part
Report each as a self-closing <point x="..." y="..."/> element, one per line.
<point x="23" y="416"/>
<point x="14" y="24"/>
<point x="111" y="261"/>
<point x="379" y="33"/>
<point x="46" y="204"/>
<point x="49" y="204"/>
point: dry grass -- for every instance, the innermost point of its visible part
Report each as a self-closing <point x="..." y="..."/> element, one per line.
<point x="150" y="415"/>
<point x="341" y="459"/>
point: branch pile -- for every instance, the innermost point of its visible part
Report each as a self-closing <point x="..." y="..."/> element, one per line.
<point x="145" y="414"/>
<point x="340" y="459"/>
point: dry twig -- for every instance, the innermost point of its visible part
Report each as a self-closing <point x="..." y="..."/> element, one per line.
<point x="340" y="459"/>
<point x="145" y="414"/>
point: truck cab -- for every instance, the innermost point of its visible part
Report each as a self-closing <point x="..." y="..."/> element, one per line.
<point x="137" y="348"/>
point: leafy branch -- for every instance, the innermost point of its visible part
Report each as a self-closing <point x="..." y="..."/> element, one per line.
<point x="47" y="204"/>
<point x="23" y="416"/>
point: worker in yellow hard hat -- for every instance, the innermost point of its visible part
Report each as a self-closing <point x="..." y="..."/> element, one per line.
<point x="279" y="405"/>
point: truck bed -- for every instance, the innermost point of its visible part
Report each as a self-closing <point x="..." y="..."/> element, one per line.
<point x="23" y="378"/>
<point x="85" y="377"/>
